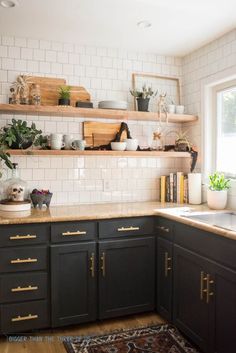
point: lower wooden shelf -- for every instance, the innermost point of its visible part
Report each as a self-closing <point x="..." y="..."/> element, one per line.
<point x="58" y="153"/>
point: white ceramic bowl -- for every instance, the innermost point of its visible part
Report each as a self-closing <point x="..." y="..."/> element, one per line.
<point x="118" y="146"/>
<point x="131" y="144"/>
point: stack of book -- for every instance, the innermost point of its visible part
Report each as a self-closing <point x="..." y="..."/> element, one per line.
<point x="174" y="188"/>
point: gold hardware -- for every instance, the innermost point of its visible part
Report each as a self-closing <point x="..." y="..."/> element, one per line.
<point x="22" y="261"/>
<point x="92" y="265"/>
<point x="103" y="267"/>
<point x="24" y="289"/>
<point x="19" y="237"/>
<point x="78" y="232"/>
<point x="24" y="318"/>
<point x="208" y="290"/>
<point x="164" y="229"/>
<point x="127" y="229"/>
<point x="167" y="267"/>
<point x="203" y="278"/>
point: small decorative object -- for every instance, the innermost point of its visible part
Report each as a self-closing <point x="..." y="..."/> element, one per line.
<point x="81" y="104"/>
<point x="195" y="188"/>
<point x="40" y="198"/>
<point x="157" y="141"/>
<point x="171" y="107"/>
<point x="217" y="191"/>
<point x="182" y="143"/>
<point x="118" y="146"/>
<point x="131" y="144"/>
<point x="78" y="145"/>
<point x="179" y="109"/>
<point x="162" y="106"/>
<point x="64" y="95"/>
<point x="35" y="96"/>
<point x="18" y="135"/>
<point x="143" y="97"/>
<point x="120" y="105"/>
<point x="21" y="87"/>
<point x="14" y="99"/>
<point x="56" y="141"/>
<point x="68" y="140"/>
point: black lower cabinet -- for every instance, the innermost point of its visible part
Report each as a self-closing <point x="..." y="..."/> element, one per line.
<point x="126" y="276"/>
<point x="191" y="312"/>
<point x="73" y="283"/>
<point x="164" y="278"/>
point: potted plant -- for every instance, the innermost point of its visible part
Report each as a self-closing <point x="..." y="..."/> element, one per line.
<point x="171" y="107"/>
<point x="64" y="95"/>
<point x="182" y="143"/>
<point x="143" y="97"/>
<point x="217" y="191"/>
<point x="18" y="135"/>
<point x="5" y="157"/>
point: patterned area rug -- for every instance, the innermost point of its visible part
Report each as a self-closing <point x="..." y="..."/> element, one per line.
<point x="153" y="339"/>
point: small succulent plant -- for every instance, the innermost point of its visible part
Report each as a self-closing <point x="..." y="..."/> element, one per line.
<point x="218" y="182"/>
<point x="146" y="92"/>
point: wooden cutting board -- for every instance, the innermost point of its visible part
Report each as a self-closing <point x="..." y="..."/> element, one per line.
<point x="97" y="134"/>
<point x="49" y="87"/>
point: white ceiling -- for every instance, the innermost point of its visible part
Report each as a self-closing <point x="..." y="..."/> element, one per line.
<point x="178" y="26"/>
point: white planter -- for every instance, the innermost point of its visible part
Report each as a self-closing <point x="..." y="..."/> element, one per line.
<point x="179" y="109"/>
<point x="216" y="199"/>
<point x="171" y="108"/>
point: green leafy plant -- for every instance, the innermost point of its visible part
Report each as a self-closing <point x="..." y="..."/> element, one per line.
<point x="64" y="92"/>
<point x="218" y="182"/>
<point x="18" y="134"/>
<point x="42" y="141"/>
<point x="146" y="92"/>
<point x="5" y="157"/>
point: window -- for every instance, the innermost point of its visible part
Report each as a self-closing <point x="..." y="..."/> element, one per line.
<point x="224" y="132"/>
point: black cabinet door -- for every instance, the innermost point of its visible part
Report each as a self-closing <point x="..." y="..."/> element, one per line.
<point x="164" y="278"/>
<point x="191" y="312"/>
<point x="126" y="276"/>
<point x="73" y="277"/>
<point x="223" y="290"/>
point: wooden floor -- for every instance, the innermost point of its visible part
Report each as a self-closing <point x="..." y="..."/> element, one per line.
<point x="55" y="336"/>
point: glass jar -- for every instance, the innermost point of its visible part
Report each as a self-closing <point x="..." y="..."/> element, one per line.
<point x="35" y="94"/>
<point x="15" y="189"/>
<point x="157" y="144"/>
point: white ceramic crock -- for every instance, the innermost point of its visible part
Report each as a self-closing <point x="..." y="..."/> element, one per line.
<point x="216" y="200"/>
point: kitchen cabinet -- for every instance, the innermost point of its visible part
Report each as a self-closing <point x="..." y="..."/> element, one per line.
<point x="164" y="277"/>
<point x="73" y="283"/>
<point x="126" y="276"/>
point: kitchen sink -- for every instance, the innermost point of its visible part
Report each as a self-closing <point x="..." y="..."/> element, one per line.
<point x="226" y="220"/>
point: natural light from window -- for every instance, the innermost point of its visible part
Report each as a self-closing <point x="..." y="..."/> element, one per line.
<point x="226" y="131"/>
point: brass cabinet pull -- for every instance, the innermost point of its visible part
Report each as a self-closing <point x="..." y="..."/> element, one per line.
<point x="203" y="278"/>
<point x="167" y="265"/>
<point x="103" y="267"/>
<point x="208" y="289"/>
<point x="19" y="237"/>
<point x="24" y="318"/>
<point x="164" y="229"/>
<point x="78" y="232"/>
<point x="22" y="261"/>
<point x="24" y="289"/>
<point x="92" y="265"/>
<point x="127" y="229"/>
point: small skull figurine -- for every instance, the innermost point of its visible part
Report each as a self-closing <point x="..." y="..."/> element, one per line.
<point x="16" y="192"/>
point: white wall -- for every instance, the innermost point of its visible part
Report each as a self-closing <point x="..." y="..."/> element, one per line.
<point x="106" y="74"/>
<point x="206" y="65"/>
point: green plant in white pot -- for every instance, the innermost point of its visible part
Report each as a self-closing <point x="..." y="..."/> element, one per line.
<point x="217" y="191"/>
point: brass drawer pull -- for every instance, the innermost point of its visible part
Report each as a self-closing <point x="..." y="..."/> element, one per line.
<point x="203" y="278"/>
<point x="167" y="265"/>
<point x="78" y="232"/>
<point x="92" y="264"/>
<point x="24" y="318"/>
<point x="103" y="267"/>
<point x="23" y="261"/>
<point x="164" y="229"/>
<point x="24" y="289"/>
<point x="208" y="290"/>
<point x="127" y="229"/>
<point x="19" y="237"/>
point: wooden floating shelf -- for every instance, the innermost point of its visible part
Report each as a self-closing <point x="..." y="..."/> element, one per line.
<point x="61" y="153"/>
<point x="92" y="113"/>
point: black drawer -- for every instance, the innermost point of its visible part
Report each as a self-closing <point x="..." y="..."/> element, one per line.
<point x="23" y="317"/>
<point x="164" y="228"/>
<point x="73" y="231"/>
<point x="126" y="227"/>
<point x="24" y="234"/>
<point x="23" y="287"/>
<point x="29" y="258"/>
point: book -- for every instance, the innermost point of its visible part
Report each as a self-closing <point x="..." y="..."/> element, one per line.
<point x="171" y="187"/>
<point x="179" y="174"/>
<point x="163" y="188"/>
<point x="185" y="189"/>
<point x="174" y="187"/>
<point x="168" y="188"/>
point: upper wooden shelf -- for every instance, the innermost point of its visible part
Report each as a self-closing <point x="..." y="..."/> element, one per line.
<point x="92" y="113"/>
<point x="61" y="153"/>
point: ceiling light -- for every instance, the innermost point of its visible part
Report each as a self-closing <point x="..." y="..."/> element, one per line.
<point x="144" y="24"/>
<point x="8" y="3"/>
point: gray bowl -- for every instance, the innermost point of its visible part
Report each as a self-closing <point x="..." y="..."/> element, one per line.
<point x="41" y="199"/>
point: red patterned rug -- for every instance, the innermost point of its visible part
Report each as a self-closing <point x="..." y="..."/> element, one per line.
<point x="153" y="339"/>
